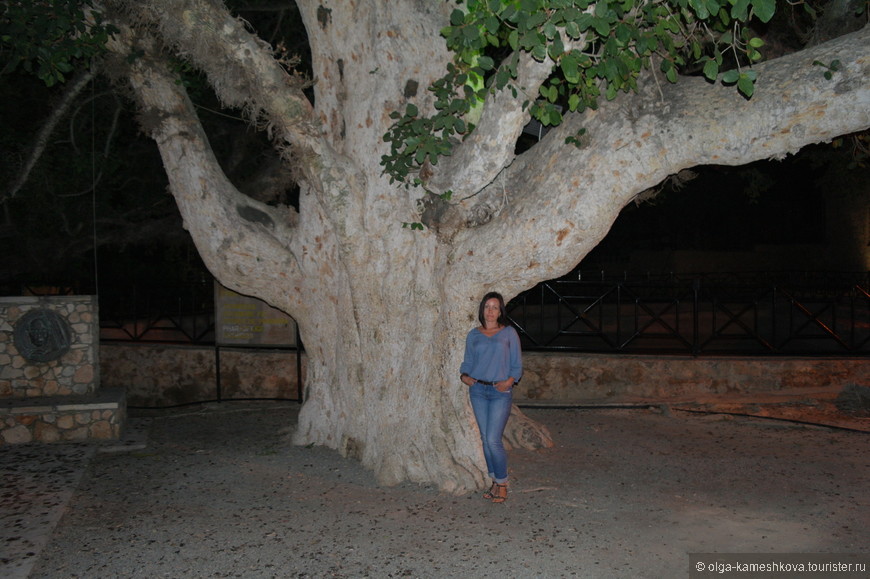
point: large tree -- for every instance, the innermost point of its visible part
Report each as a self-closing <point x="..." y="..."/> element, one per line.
<point x="383" y="309"/>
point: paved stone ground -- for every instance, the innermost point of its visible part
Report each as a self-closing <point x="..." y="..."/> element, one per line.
<point x="219" y="492"/>
<point x="37" y="483"/>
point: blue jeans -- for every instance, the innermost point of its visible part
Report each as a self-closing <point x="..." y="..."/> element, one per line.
<point x="491" y="410"/>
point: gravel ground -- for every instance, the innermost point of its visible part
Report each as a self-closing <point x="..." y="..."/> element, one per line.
<point x="218" y="491"/>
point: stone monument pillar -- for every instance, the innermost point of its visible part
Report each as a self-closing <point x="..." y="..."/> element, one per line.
<point x="49" y="372"/>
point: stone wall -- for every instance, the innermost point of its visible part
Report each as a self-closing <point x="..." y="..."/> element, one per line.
<point x="179" y="375"/>
<point x="50" y="375"/>
<point x="99" y="416"/>
<point x="61" y="359"/>
<point x="595" y="378"/>
<point x="185" y="374"/>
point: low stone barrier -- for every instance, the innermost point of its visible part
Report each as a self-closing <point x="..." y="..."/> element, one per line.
<point x="50" y="372"/>
<point x="597" y="378"/>
<point x="98" y="416"/>
<point x="186" y="374"/>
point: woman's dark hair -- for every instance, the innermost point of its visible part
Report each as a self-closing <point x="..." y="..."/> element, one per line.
<point x="502" y="312"/>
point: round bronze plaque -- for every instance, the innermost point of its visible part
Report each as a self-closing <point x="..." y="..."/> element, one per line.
<point x="42" y="335"/>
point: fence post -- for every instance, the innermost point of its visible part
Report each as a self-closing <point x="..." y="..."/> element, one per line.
<point x="696" y="317"/>
<point x="618" y="313"/>
<point x="217" y="372"/>
<point x="773" y="316"/>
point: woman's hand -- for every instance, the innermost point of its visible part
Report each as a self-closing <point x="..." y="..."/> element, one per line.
<point x="504" y="385"/>
<point x="467" y="380"/>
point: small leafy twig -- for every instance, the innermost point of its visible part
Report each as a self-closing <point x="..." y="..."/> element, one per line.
<point x="830" y="69"/>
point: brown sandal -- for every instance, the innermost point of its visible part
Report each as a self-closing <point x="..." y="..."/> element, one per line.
<point x="490" y="494"/>
<point x="499" y="494"/>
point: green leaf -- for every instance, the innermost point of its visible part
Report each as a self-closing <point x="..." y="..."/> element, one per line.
<point x="623" y="33"/>
<point x="711" y="69"/>
<point x="731" y="76"/>
<point x="554" y="94"/>
<point x="713" y="6"/>
<point x="556" y="49"/>
<point x="570" y="67"/>
<point x="502" y="77"/>
<point x="550" y="31"/>
<point x="513" y="39"/>
<point x="700" y="8"/>
<point x="539" y="52"/>
<point x="486" y="63"/>
<point x="746" y="85"/>
<point x="470" y="35"/>
<point x="739" y="11"/>
<point x="602" y="26"/>
<point x="420" y="156"/>
<point x="572" y="30"/>
<point x="552" y="117"/>
<point x="573" y="102"/>
<point x="763" y="9"/>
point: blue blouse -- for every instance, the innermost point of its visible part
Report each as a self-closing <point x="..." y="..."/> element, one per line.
<point x="493" y="358"/>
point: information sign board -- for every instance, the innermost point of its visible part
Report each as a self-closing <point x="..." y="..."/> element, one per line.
<point x="245" y="321"/>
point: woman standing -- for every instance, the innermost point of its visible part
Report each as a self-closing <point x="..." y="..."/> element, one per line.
<point x="491" y="367"/>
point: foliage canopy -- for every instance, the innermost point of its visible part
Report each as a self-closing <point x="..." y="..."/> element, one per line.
<point x="597" y="48"/>
<point x="47" y="37"/>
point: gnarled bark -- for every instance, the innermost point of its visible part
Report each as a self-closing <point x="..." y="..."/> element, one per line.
<point x="383" y="311"/>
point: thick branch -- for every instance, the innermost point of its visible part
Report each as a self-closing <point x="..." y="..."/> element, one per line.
<point x="490" y="148"/>
<point x="240" y="66"/>
<point x="244" y="73"/>
<point x="570" y="195"/>
<point x="243" y="242"/>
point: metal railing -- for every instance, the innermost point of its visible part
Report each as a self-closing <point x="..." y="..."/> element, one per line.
<point x="175" y="315"/>
<point x="762" y="314"/>
<point x="807" y="314"/>
<point x="167" y="314"/>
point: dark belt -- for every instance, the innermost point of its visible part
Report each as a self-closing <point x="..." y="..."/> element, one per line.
<point x="484" y="382"/>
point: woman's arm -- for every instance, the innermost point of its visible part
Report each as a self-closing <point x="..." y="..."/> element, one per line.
<point x="467" y="362"/>
<point x="516" y="356"/>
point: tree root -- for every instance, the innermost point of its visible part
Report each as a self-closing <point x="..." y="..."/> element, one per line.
<point x="523" y="432"/>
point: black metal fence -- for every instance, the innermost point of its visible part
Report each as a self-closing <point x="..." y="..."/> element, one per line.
<point x="807" y="314"/>
<point x="169" y="314"/>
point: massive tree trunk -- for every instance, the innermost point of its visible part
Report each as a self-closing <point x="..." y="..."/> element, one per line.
<point x="383" y="310"/>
